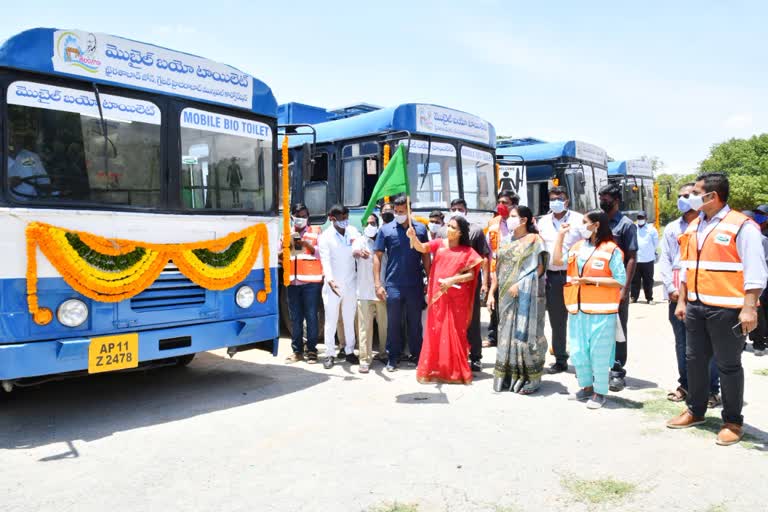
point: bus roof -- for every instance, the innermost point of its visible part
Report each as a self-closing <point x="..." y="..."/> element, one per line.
<point x="543" y="151"/>
<point x="630" y="168"/>
<point x="111" y="60"/>
<point x="416" y="118"/>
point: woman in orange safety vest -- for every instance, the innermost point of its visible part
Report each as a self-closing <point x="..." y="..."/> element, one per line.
<point x="592" y="295"/>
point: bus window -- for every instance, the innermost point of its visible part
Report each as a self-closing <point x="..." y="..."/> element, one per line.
<point x="478" y="173"/>
<point x="649" y="204"/>
<point x="433" y="187"/>
<point x="223" y="167"/>
<point x="358" y="172"/>
<point x="57" y="149"/>
<point x="352" y="182"/>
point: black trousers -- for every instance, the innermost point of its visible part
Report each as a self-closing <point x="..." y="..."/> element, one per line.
<point x="558" y="314"/>
<point x="710" y="334"/>
<point x="473" y="332"/>
<point x="759" y="336"/>
<point x="643" y="277"/>
<point x="621" y="348"/>
<point x="493" y="326"/>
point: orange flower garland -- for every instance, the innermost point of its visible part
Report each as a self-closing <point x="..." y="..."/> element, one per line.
<point x="286" y="184"/>
<point x="114" y="286"/>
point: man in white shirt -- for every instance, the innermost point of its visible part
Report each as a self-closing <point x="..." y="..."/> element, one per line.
<point x="647" y="241"/>
<point x="340" y="288"/>
<point x="369" y="306"/>
<point x="549" y="227"/>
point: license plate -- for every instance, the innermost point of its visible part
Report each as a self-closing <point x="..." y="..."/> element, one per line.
<point x="110" y="353"/>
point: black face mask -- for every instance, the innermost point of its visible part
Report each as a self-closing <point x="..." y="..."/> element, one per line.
<point x="387" y="217"/>
<point x="606" y="206"/>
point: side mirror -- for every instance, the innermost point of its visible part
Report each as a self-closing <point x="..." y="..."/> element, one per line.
<point x="580" y="182"/>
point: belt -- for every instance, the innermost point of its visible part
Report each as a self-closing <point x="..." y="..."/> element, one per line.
<point x="558" y="272"/>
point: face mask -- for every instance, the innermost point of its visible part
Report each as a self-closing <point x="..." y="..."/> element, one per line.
<point x="453" y="234"/>
<point x="341" y="224"/>
<point x="400" y="219"/>
<point x="697" y="202"/>
<point x="453" y="215"/>
<point x="387" y="217"/>
<point x="370" y="231"/>
<point x="557" y="206"/>
<point x="684" y="204"/>
<point x="585" y="232"/>
<point x="641" y="222"/>
<point x="606" y="206"/>
<point x="502" y="210"/>
<point x="300" y="222"/>
<point x="433" y="227"/>
<point x="513" y="223"/>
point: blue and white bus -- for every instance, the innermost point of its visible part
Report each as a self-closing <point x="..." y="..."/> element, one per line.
<point x="536" y="165"/>
<point x="138" y="204"/>
<point x="451" y="154"/>
<point x="635" y="177"/>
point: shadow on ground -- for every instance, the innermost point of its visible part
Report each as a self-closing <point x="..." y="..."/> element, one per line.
<point x="98" y="406"/>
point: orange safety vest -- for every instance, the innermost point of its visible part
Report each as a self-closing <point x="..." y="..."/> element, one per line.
<point x="589" y="298"/>
<point x="494" y="235"/>
<point x="716" y="272"/>
<point x="305" y="266"/>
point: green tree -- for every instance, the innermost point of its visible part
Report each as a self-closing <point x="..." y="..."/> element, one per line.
<point x="746" y="163"/>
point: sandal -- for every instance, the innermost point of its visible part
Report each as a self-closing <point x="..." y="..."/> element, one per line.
<point x="714" y="401"/>
<point x="678" y="395"/>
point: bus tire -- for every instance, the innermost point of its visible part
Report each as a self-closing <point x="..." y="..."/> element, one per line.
<point x="184" y="360"/>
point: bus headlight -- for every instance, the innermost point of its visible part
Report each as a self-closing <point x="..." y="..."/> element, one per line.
<point x="245" y="297"/>
<point x="72" y="313"/>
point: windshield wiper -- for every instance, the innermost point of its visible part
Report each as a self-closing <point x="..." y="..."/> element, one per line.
<point x="103" y="130"/>
<point x="426" y="165"/>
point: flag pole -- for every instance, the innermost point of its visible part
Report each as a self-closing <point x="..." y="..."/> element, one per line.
<point x="410" y="219"/>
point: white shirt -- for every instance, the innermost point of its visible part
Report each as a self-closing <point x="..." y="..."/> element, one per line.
<point x="749" y="245"/>
<point x="647" y="240"/>
<point x="366" y="290"/>
<point x="669" y="261"/>
<point x="549" y="227"/>
<point x="336" y="256"/>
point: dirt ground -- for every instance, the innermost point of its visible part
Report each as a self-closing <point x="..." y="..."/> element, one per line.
<point x="252" y="433"/>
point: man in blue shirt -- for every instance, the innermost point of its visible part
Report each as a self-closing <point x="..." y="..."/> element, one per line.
<point x="647" y="241"/>
<point x="625" y="236"/>
<point x="403" y="286"/>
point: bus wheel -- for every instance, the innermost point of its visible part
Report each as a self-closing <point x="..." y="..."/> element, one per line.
<point x="183" y="361"/>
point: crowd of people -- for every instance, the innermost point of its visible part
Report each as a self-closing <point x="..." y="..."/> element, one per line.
<point x="419" y="288"/>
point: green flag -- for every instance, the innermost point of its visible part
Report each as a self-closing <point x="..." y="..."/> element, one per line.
<point x="393" y="181"/>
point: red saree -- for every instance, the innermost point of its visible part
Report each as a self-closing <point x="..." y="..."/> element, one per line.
<point x="444" y="351"/>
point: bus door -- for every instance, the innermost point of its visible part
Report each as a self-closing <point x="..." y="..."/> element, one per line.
<point x="512" y="176"/>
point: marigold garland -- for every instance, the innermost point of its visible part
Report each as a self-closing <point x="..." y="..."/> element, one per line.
<point x="286" y="213"/>
<point x="108" y="270"/>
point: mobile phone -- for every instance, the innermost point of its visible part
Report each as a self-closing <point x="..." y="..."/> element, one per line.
<point x="296" y="240"/>
<point x="736" y="330"/>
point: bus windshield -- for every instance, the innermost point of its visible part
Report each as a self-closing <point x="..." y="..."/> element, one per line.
<point x="648" y="199"/>
<point x="477" y="174"/>
<point x="225" y="168"/>
<point x="432" y="187"/>
<point x="58" y="151"/>
<point x="632" y="199"/>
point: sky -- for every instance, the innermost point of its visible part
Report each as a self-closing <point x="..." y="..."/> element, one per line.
<point x="660" y="78"/>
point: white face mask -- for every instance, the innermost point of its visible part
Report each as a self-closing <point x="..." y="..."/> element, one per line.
<point x="641" y="222"/>
<point x="697" y="202"/>
<point x="300" y="222"/>
<point x="433" y="227"/>
<point x="513" y="223"/>
<point x="585" y="232"/>
<point x="370" y="231"/>
<point x="557" y="206"/>
<point x="453" y="215"/>
<point x="341" y="224"/>
<point x="400" y="219"/>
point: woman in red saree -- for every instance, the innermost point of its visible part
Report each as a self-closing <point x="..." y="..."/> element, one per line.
<point x="452" y="281"/>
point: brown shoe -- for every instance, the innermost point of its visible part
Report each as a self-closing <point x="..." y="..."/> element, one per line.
<point x="685" y="420"/>
<point x="294" y="358"/>
<point x="729" y="434"/>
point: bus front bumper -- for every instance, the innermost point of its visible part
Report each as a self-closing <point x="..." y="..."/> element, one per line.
<point x="38" y="358"/>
